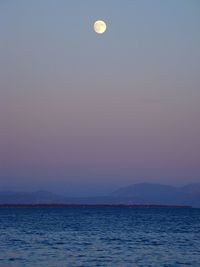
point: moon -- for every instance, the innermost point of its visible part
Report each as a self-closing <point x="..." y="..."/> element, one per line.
<point x="100" y="26"/>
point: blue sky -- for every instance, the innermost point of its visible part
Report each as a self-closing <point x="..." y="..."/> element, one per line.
<point x="83" y="113"/>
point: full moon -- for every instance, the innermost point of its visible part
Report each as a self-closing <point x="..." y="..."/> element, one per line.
<point x="100" y="26"/>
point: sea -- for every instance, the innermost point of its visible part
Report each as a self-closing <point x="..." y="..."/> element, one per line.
<point x="99" y="236"/>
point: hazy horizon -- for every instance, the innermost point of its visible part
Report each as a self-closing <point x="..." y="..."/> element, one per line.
<point x="84" y="114"/>
<point x="74" y="191"/>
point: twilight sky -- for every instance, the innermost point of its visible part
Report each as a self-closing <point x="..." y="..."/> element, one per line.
<point x="82" y="113"/>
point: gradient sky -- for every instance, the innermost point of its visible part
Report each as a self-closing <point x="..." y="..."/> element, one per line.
<point x="82" y="113"/>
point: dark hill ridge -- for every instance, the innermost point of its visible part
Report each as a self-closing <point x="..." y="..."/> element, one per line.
<point x="192" y="188"/>
<point x="30" y="198"/>
<point x="161" y="194"/>
<point x="146" y="190"/>
<point x="136" y="194"/>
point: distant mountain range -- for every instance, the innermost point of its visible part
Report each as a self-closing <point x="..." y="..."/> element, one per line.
<point x="143" y="193"/>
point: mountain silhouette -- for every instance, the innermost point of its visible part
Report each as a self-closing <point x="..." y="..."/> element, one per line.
<point x="146" y="193"/>
<point x="143" y="193"/>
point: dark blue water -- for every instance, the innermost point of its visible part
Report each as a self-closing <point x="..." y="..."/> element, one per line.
<point x="99" y="237"/>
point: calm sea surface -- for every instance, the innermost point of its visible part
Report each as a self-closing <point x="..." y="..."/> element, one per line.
<point x="67" y="237"/>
